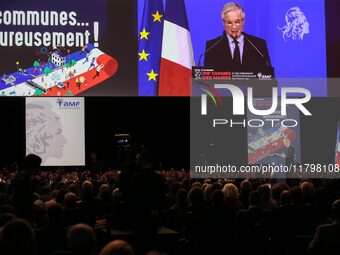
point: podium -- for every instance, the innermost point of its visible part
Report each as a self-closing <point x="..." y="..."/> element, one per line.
<point x="262" y="82"/>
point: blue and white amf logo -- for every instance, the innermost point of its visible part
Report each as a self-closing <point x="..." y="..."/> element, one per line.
<point x="68" y="104"/>
<point x="296" y="25"/>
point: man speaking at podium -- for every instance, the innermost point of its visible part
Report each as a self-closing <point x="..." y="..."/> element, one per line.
<point x="235" y="50"/>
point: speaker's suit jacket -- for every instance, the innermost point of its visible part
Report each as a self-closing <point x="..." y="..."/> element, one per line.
<point x="219" y="56"/>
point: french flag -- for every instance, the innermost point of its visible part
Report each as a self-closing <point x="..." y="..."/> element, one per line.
<point x="337" y="147"/>
<point x="177" y="54"/>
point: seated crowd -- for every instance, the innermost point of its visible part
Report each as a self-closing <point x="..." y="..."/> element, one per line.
<point x="58" y="212"/>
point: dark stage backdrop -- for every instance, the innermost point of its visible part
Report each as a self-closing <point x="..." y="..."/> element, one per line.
<point x="12" y="129"/>
<point x="333" y="38"/>
<point x="333" y="46"/>
<point x="162" y="125"/>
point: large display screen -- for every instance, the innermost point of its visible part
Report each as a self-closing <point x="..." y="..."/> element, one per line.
<point x="55" y="130"/>
<point x="272" y="137"/>
<point x="295" y="33"/>
<point x="63" y="48"/>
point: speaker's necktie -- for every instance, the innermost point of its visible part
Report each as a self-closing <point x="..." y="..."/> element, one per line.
<point x="237" y="55"/>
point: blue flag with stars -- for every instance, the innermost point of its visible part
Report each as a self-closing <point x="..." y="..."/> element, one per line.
<point x="150" y="47"/>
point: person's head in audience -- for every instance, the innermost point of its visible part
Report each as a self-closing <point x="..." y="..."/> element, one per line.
<point x="296" y="194"/>
<point x="50" y="202"/>
<point x="256" y="184"/>
<point x="186" y="183"/>
<point x="195" y="196"/>
<point x="230" y="191"/>
<point x="217" y="197"/>
<point x="207" y="188"/>
<point x="81" y="240"/>
<point x="55" y="215"/>
<point x="7" y="208"/>
<point x="17" y="237"/>
<point x="45" y="192"/>
<point x="61" y="195"/>
<point x="117" y="247"/>
<point x="285" y="198"/>
<point x="265" y="193"/>
<point x="105" y="192"/>
<point x="181" y="196"/>
<point x="277" y="190"/>
<point x="336" y="210"/>
<point x="32" y="164"/>
<point x="70" y="200"/>
<point x="144" y="158"/>
<point x="72" y="188"/>
<point x="104" y="188"/>
<point x="61" y="185"/>
<point x="254" y="198"/>
<point x="196" y="184"/>
<point x="207" y="181"/>
<point x="6" y="217"/>
<point x="216" y="185"/>
<point x="174" y="187"/>
<point x="308" y="191"/>
<point x="87" y="189"/>
<point x="245" y="186"/>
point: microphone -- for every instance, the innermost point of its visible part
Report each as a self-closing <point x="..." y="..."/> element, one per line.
<point x="267" y="64"/>
<point x="246" y="37"/>
<point x="210" y="48"/>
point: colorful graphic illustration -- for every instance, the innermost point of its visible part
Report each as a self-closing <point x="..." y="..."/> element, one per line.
<point x="199" y="88"/>
<point x="62" y="74"/>
<point x="268" y="142"/>
<point x="273" y="142"/>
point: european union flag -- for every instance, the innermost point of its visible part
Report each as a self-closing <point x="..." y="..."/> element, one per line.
<point x="149" y="47"/>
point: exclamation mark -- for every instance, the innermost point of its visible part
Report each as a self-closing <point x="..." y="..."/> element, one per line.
<point x="96" y="33"/>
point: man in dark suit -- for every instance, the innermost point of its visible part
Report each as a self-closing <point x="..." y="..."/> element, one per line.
<point x="236" y="50"/>
<point x="326" y="238"/>
<point x="289" y="154"/>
